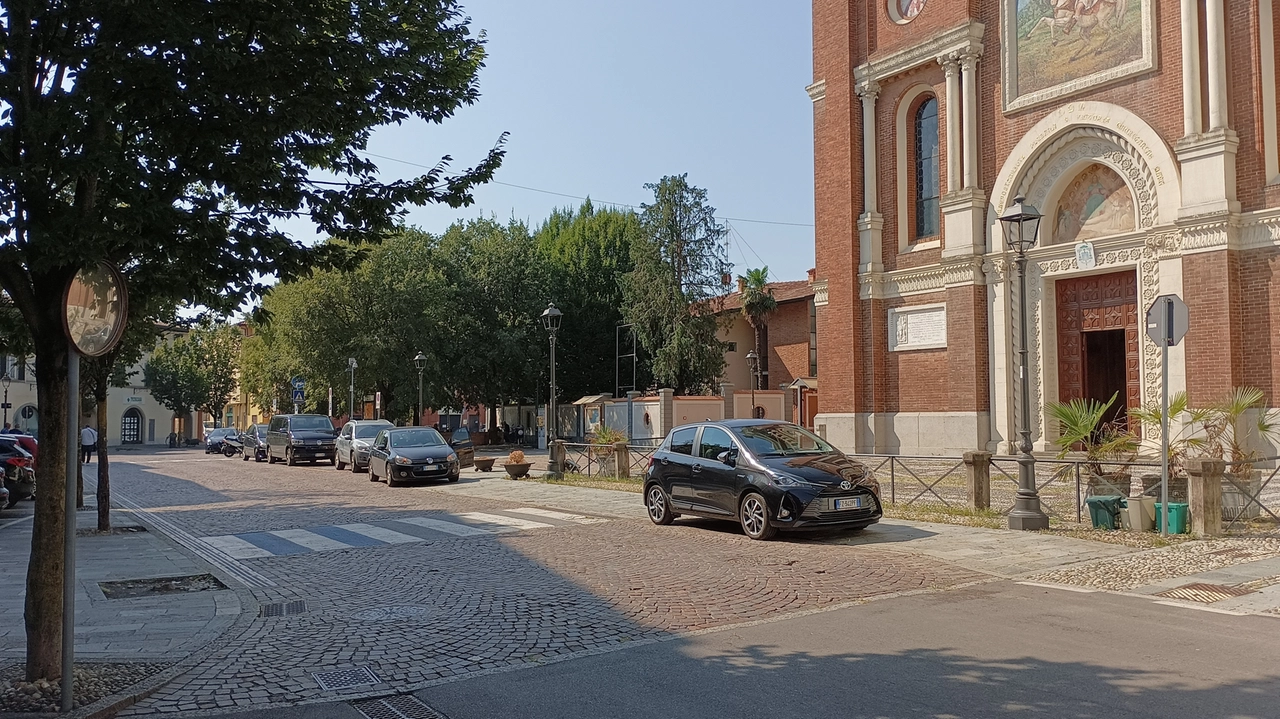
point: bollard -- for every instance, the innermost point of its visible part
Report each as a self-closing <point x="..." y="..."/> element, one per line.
<point x="555" y="464"/>
<point x="1204" y="494"/>
<point x="977" y="466"/>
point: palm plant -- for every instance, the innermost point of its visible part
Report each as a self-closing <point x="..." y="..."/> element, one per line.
<point x="1082" y="425"/>
<point x="1215" y="430"/>
<point x="757" y="304"/>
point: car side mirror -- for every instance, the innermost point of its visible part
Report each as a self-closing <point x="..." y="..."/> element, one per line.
<point x="729" y="457"/>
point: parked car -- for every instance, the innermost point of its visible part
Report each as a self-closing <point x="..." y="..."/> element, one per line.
<point x="401" y="454"/>
<point x="254" y="440"/>
<point x="460" y="440"/>
<point x="297" y="437"/>
<point x="28" y="443"/>
<point x="17" y="467"/>
<point x="213" y="439"/>
<point x="766" y="475"/>
<point x="354" y="440"/>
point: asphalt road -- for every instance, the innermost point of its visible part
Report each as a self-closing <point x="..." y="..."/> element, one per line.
<point x="994" y="650"/>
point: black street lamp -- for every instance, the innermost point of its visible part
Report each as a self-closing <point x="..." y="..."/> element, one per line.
<point x="1021" y="228"/>
<point x="4" y="381"/>
<point x="421" y="363"/>
<point x="753" y="364"/>
<point x="551" y="323"/>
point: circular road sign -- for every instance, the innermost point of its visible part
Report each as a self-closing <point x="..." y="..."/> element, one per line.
<point x="95" y="308"/>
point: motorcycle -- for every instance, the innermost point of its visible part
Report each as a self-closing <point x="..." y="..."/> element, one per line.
<point x="19" y="482"/>
<point x="231" y="446"/>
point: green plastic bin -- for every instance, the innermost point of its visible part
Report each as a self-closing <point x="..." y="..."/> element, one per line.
<point x="1105" y="511"/>
<point x="1178" y="512"/>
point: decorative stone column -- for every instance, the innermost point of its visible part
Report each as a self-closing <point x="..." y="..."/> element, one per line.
<point x="977" y="467"/>
<point x="666" y="411"/>
<point x="1216" y="48"/>
<point x="1191" y="113"/>
<point x="968" y="68"/>
<point x="951" y="65"/>
<point x="871" y="222"/>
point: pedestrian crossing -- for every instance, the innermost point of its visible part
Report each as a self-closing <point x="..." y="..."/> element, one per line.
<point x="401" y="530"/>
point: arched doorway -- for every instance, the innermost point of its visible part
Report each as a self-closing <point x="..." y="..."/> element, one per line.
<point x="131" y="426"/>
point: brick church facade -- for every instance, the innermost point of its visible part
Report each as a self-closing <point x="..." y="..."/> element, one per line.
<point x="1145" y="132"/>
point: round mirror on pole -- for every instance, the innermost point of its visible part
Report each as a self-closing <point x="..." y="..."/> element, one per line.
<point x="95" y="309"/>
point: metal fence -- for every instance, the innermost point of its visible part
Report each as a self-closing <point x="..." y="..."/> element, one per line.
<point x="1251" y="496"/>
<point x="596" y="460"/>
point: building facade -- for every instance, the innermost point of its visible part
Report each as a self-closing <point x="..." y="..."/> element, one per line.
<point x="1145" y="132"/>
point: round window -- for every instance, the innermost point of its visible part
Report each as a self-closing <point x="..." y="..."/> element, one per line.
<point x="904" y="11"/>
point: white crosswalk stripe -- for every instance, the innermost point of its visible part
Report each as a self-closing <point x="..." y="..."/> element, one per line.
<point x="382" y="534"/>
<point x="454" y="528"/>
<point x="503" y="524"/>
<point x="310" y="540"/>
<point x="562" y="516"/>
<point x="236" y="548"/>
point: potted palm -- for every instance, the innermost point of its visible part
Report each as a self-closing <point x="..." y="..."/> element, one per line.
<point x="1083" y="428"/>
<point x="602" y="448"/>
<point x="516" y="465"/>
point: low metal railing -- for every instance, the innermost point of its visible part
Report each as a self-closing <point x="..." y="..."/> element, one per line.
<point x="937" y="480"/>
<point x="1250" y="490"/>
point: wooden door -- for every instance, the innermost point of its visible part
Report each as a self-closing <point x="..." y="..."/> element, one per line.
<point x="1089" y="304"/>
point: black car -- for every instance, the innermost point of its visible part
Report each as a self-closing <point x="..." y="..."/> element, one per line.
<point x="298" y="437"/>
<point x="213" y="439"/>
<point x="402" y="454"/>
<point x="254" y="440"/>
<point x="460" y="440"/>
<point x="766" y="475"/>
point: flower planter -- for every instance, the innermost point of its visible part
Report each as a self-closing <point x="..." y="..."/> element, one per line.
<point x="516" y="471"/>
<point x="484" y="464"/>
<point x="1236" y="505"/>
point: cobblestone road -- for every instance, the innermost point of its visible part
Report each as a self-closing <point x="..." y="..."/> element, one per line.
<point x="444" y="605"/>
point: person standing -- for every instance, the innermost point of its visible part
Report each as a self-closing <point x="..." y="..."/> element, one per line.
<point x="88" y="442"/>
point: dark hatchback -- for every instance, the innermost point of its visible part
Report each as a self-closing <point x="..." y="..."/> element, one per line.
<point x="764" y="474"/>
<point x="404" y="454"/>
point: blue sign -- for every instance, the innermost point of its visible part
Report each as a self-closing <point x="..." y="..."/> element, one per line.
<point x="298" y="383"/>
<point x="297" y="396"/>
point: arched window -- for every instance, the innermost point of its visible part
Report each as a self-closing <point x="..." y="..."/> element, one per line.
<point x="928" y="186"/>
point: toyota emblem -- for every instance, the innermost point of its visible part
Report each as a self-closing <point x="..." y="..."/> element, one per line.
<point x="846" y="485"/>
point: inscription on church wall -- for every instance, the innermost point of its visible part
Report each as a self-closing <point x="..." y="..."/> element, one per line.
<point x="917" y="328"/>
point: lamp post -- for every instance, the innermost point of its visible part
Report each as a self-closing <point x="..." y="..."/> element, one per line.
<point x="1021" y="226"/>
<point x="421" y="363"/>
<point x="4" y="381"/>
<point x="551" y="323"/>
<point x="351" y="402"/>
<point x="753" y="364"/>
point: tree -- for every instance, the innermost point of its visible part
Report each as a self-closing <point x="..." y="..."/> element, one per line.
<point x="196" y="370"/>
<point x="757" y="304"/>
<point x="174" y="142"/>
<point x="680" y="269"/>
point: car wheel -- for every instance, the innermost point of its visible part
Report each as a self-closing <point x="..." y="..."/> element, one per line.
<point x="270" y="457"/>
<point x="245" y="457"/>
<point x="753" y="513"/>
<point x="339" y="463"/>
<point x="655" y="500"/>
<point x="288" y="457"/>
<point x="391" y="481"/>
<point x="355" y="468"/>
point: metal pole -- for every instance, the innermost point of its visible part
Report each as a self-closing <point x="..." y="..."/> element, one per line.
<point x="69" y="535"/>
<point x="1026" y="513"/>
<point x="329" y="404"/>
<point x="1164" y="419"/>
<point x="6" y="405"/>
<point x="417" y="420"/>
<point x="351" y="402"/>
<point x="551" y="402"/>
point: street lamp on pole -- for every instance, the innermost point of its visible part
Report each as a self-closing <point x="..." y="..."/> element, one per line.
<point x="4" y="380"/>
<point x="351" y="405"/>
<point x="421" y="363"/>
<point x="551" y="323"/>
<point x="1021" y="226"/>
<point x="753" y="364"/>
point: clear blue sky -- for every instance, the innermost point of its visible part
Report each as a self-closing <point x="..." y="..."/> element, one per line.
<point x="602" y="97"/>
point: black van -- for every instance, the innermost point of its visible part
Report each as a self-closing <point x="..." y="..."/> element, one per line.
<point x="298" y="437"/>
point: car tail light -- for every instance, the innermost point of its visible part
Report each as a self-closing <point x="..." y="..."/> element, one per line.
<point x="18" y="462"/>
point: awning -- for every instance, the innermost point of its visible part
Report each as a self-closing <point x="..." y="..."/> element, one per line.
<point x="594" y="399"/>
<point x="805" y="383"/>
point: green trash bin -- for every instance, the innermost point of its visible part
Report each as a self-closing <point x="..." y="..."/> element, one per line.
<point x="1178" y="513"/>
<point x="1105" y="511"/>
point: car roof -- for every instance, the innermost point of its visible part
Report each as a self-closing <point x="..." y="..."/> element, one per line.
<point x="360" y="422"/>
<point x="408" y="429"/>
<point x="734" y="423"/>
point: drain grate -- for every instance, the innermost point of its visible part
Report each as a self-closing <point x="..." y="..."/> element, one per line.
<point x="403" y="706"/>
<point x="346" y="678"/>
<point x="1204" y="593"/>
<point x="283" y="609"/>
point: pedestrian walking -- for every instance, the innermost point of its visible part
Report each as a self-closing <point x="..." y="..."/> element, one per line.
<point x="88" y="442"/>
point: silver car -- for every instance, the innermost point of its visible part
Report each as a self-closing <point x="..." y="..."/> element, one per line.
<point x="355" y="440"/>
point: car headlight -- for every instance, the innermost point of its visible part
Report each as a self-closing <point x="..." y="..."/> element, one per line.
<point x="452" y="457"/>
<point x="780" y="479"/>
<point x="360" y="444"/>
<point x="403" y="460"/>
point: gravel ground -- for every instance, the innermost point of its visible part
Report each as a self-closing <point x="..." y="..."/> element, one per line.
<point x="1136" y="570"/>
<point x="93" y="682"/>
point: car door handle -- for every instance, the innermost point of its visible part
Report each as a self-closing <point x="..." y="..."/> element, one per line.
<point x="697" y="469"/>
<point x="665" y="461"/>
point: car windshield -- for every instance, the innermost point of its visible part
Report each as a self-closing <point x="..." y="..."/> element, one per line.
<point x="368" y="431"/>
<point x="781" y="440"/>
<point x="416" y="438"/>
<point x="260" y="430"/>
<point x="311" y="424"/>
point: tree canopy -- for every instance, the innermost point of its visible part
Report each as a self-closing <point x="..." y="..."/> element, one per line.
<point x="196" y="370"/>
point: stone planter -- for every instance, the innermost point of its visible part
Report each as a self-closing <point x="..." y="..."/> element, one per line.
<point x="484" y="464"/>
<point x="1236" y="505"/>
<point x="1111" y="484"/>
<point x="1177" y="487"/>
<point x="516" y="471"/>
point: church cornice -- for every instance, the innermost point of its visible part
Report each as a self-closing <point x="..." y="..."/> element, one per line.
<point x="962" y="41"/>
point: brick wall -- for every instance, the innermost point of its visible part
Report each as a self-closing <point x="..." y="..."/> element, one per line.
<point x="1258" y="281"/>
<point x="788" y="343"/>
<point x="1213" y="349"/>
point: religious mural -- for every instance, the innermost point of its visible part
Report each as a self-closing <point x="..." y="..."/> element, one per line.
<point x="908" y="9"/>
<point x="1096" y="204"/>
<point x="1058" y="42"/>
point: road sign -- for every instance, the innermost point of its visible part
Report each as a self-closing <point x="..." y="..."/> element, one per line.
<point x="298" y="383"/>
<point x="1168" y="320"/>
<point x="377" y="405"/>
<point x="298" y="396"/>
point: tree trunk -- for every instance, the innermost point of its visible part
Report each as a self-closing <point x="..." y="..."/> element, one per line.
<point x="43" y="610"/>
<point x="104" y="472"/>
<point x="759" y="378"/>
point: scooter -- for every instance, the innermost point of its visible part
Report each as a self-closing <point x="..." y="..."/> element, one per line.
<point x="19" y="483"/>
<point x="231" y="446"/>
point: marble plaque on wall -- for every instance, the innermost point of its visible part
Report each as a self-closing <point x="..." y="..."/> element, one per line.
<point x="917" y="328"/>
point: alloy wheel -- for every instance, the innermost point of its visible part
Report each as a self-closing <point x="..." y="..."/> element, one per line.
<point x="656" y="504"/>
<point x="755" y="517"/>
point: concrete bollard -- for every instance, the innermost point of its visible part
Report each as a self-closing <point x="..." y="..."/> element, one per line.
<point x="1204" y="494"/>
<point x="621" y="460"/>
<point x="977" y="466"/>
<point x="555" y="463"/>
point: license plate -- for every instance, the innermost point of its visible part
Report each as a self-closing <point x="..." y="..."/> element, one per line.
<point x="428" y="467"/>
<point x="854" y="503"/>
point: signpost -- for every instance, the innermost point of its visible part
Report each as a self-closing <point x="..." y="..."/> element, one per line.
<point x="377" y="405"/>
<point x="299" y="393"/>
<point x="1167" y="322"/>
<point x="94" y="310"/>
